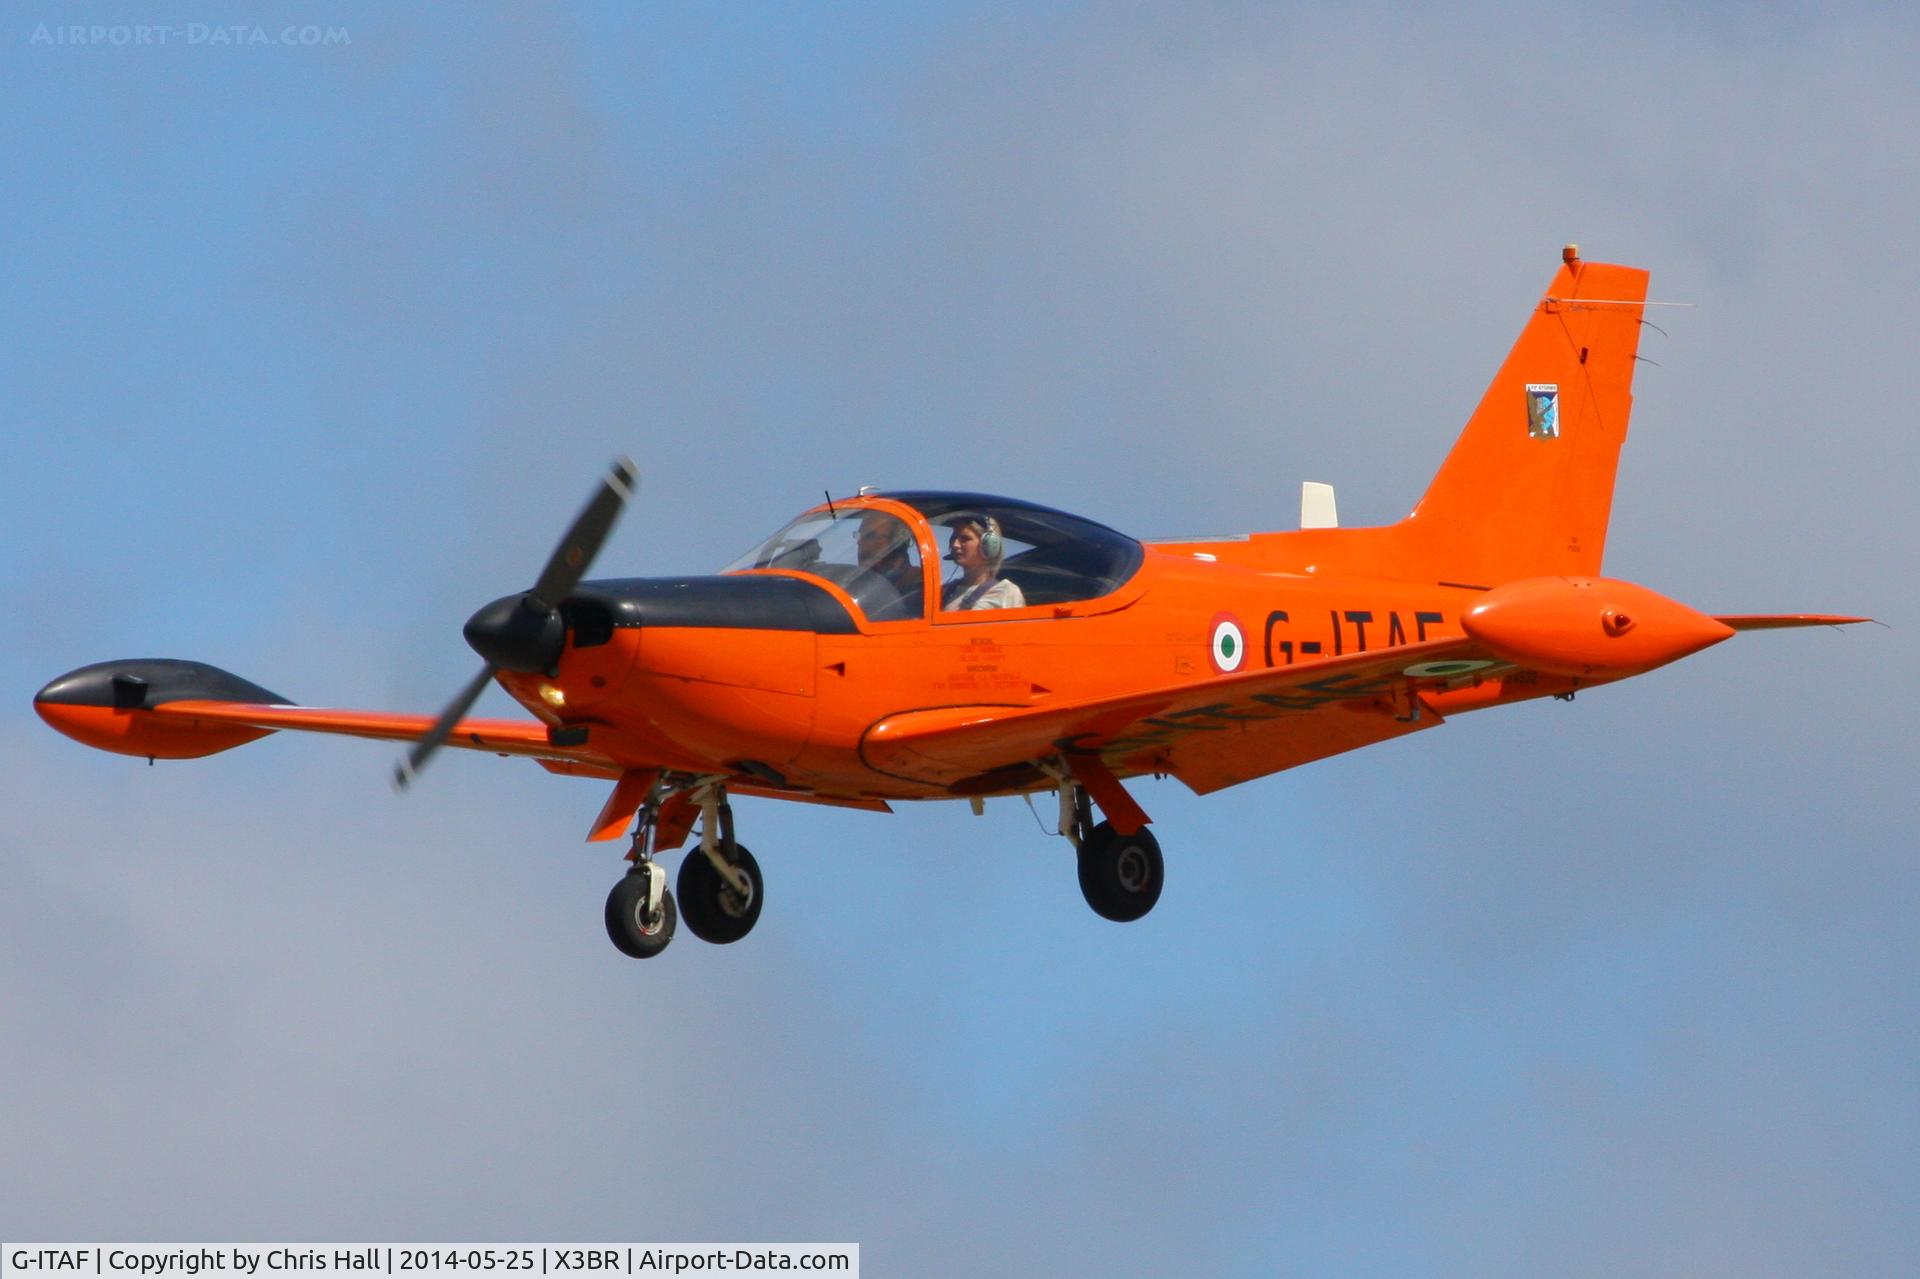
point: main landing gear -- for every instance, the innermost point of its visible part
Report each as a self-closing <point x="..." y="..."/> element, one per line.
<point x="1120" y="874"/>
<point x="720" y="887"/>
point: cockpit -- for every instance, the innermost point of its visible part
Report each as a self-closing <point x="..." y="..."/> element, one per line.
<point x="996" y="552"/>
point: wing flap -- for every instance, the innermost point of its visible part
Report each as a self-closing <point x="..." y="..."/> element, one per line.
<point x="1217" y="760"/>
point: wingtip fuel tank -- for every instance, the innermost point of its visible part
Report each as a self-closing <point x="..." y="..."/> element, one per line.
<point x="1588" y="627"/>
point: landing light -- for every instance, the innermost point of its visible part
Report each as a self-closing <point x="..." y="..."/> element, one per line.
<point x="554" y="697"/>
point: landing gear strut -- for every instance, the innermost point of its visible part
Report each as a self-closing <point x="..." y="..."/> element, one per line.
<point x="720" y="886"/>
<point x="640" y="912"/>
<point x="1120" y="875"/>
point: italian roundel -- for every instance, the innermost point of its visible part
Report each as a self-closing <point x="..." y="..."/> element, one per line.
<point x="1228" y="645"/>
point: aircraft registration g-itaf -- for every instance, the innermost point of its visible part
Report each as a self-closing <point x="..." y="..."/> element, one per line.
<point x="833" y="665"/>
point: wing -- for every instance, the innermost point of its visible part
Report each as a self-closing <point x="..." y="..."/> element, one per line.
<point x="163" y="708"/>
<point x="1209" y="734"/>
<point x="497" y="736"/>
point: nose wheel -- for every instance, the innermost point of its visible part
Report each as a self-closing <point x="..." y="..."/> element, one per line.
<point x="640" y="913"/>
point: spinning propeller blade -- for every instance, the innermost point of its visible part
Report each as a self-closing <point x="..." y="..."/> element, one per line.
<point x="578" y="548"/>
<point x="407" y="769"/>
<point x="525" y="632"/>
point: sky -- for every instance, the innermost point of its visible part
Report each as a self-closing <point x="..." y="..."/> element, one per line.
<point x="310" y="349"/>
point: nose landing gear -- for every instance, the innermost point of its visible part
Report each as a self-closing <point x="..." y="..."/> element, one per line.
<point x="640" y="913"/>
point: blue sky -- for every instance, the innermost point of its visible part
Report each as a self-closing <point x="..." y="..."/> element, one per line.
<point x="309" y="351"/>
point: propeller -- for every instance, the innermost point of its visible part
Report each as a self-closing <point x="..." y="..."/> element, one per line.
<point x="525" y="632"/>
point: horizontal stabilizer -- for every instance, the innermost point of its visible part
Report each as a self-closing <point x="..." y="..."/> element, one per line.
<point x="1781" y="621"/>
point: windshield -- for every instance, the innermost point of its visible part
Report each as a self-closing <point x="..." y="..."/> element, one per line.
<point x="871" y="555"/>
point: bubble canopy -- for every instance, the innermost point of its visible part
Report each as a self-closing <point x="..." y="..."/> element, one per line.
<point x="866" y="548"/>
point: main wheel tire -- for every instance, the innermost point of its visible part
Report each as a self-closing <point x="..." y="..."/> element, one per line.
<point x="713" y="911"/>
<point x="627" y="926"/>
<point x="1121" y="875"/>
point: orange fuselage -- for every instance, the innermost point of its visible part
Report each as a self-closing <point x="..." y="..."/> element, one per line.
<point x="690" y="697"/>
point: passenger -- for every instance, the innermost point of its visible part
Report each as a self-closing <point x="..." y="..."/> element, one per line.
<point x="883" y="542"/>
<point x="977" y="548"/>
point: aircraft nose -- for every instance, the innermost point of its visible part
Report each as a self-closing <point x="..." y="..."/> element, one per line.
<point x="518" y="633"/>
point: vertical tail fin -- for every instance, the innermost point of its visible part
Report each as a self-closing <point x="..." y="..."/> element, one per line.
<point x="1528" y="487"/>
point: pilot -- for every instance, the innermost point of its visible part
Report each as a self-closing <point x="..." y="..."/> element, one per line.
<point x="976" y="547"/>
<point x="882" y="542"/>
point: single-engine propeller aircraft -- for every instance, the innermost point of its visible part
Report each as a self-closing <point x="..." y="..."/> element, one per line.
<point x="832" y="665"/>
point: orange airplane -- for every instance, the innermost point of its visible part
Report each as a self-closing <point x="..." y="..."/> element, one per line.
<point x="833" y="665"/>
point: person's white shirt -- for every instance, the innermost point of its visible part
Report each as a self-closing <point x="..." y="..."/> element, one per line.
<point x="992" y="593"/>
